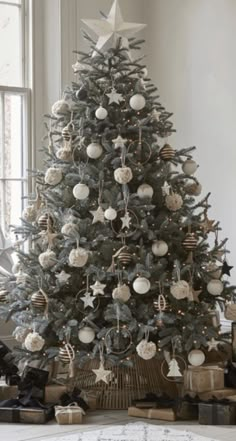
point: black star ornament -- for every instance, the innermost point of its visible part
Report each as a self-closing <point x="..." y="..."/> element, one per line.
<point x="226" y="269"/>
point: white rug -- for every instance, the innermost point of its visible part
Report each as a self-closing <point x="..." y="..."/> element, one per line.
<point x="132" y="432"/>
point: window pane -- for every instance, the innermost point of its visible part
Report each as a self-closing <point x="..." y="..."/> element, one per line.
<point x="13" y="208"/>
<point x="10" y="46"/>
<point x="13" y="152"/>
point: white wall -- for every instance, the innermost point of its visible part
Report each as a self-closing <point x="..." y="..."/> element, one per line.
<point x="192" y="59"/>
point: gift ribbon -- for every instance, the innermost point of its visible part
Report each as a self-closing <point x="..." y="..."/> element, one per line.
<point x="70" y="410"/>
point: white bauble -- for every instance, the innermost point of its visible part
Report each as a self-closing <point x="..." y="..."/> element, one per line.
<point x="94" y="150"/>
<point x="47" y="259"/>
<point x="78" y="257"/>
<point x="215" y="287"/>
<point x="34" y="342"/>
<point x="101" y="113"/>
<point x="59" y="108"/>
<point x="196" y="357"/>
<point x="64" y="154"/>
<point x="159" y="248"/>
<point x="110" y="214"/>
<point x="122" y="293"/>
<point x="180" y="290"/>
<point x="137" y="102"/>
<point x="174" y="201"/>
<point x="141" y="285"/>
<point x="70" y="229"/>
<point x="86" y="335"/>
<point x="193" y="189"/>
<point x="20" y="333"/>
<point x="145" y="191"/>
<point x="81" y="191"/>
<point x="29" y="213"/>
<point x="146" y="350"/>
<point x="53" y="176"/>
<point x="189" y="167"/>
<point x="214" y="270"/>
<point x="123" y="175"/>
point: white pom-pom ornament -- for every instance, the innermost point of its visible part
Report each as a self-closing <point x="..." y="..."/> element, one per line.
<point x="29" y="213"/>
<point x="174" y="201"/>
<point x="101" y="113"/>
<point x="86" y="335"/>
<point x="110" y="214"/>
<point x="180" y="289"/>
<point x="141" y="285"/>
<point x="81" y="191"/>
<point x="78" y="257"/>
<point x="20" y="333"/>
<point x="189" y="167"/>
<point x="215" y="287"/>
<point x="146" y="350"/>
<point x="69" y="229"/>
<point x="94" y="150"/>
<point x="137" y="102"/>
<point x="123" y="175"/>
<point x="122" y="293"/>
<point x="34" y="342"/>
<point x="59" y="108"/>
<point x="159" y="248"/>
<point x="53" y="176"/>
<point x="47" y="259"/>
<point x="196" y="357"/>
<point x="145" y="191"/>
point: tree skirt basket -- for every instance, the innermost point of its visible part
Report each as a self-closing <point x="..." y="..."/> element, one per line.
<point x="126" y="384"/>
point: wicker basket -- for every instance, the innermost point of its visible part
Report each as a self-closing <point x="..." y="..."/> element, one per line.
<point x="126" y="384"/>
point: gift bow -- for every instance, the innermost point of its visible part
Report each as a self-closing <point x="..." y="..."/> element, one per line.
<point x="69" y="410"/>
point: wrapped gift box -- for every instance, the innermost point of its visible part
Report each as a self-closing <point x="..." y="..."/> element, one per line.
<point x="26" y="415"/>
<point x="187" y="411"/>
<point x="218" y="394"/>
<point x="217" y="413"/>
<point x="203" y="378"/>
<point x="54" y="392"/>
<point x="7" y="392"/>
<point x="72" y="414"/>
<point x="156" y="414"/>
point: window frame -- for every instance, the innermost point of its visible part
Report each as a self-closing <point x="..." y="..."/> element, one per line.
<point x="25" y="92"/>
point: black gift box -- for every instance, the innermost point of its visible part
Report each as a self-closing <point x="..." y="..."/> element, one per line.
<point x="7" y="366"/>
<point x="26" y="415"/>
<point x="217" y="413"/>
<point x="33" y="382"/>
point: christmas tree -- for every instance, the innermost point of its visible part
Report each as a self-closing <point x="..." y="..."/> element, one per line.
<point x="114" y="256"/>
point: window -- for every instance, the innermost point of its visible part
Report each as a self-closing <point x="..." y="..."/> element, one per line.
<point x="14" y="111"/>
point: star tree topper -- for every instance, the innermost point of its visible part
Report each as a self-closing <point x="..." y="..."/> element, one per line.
<point x="113" y="28"/>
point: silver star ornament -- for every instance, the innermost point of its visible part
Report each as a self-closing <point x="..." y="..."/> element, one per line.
<point x="212" y="345"/>
<point x="126" y="219"/>
<point x="98" y="288"/>
<point x="63" y="277"/>
<point x="102" y="374"/>
<point x="88" y="300"/>
<point x="119" y="142"/>
<point x="98" y="215"/>
<point x="109" y="30"/>
<point x="115" y="97"/>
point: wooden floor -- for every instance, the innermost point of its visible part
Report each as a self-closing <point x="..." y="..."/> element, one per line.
<point x="94" y="420"/>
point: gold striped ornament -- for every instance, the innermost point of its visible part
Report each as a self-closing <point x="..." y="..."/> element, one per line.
<point x="3" y="296"/>
<point x="39" y="300"/>
<point x="190" y="242"/>
<point x="66" y="356"/>
<point x="167" y="153"/>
